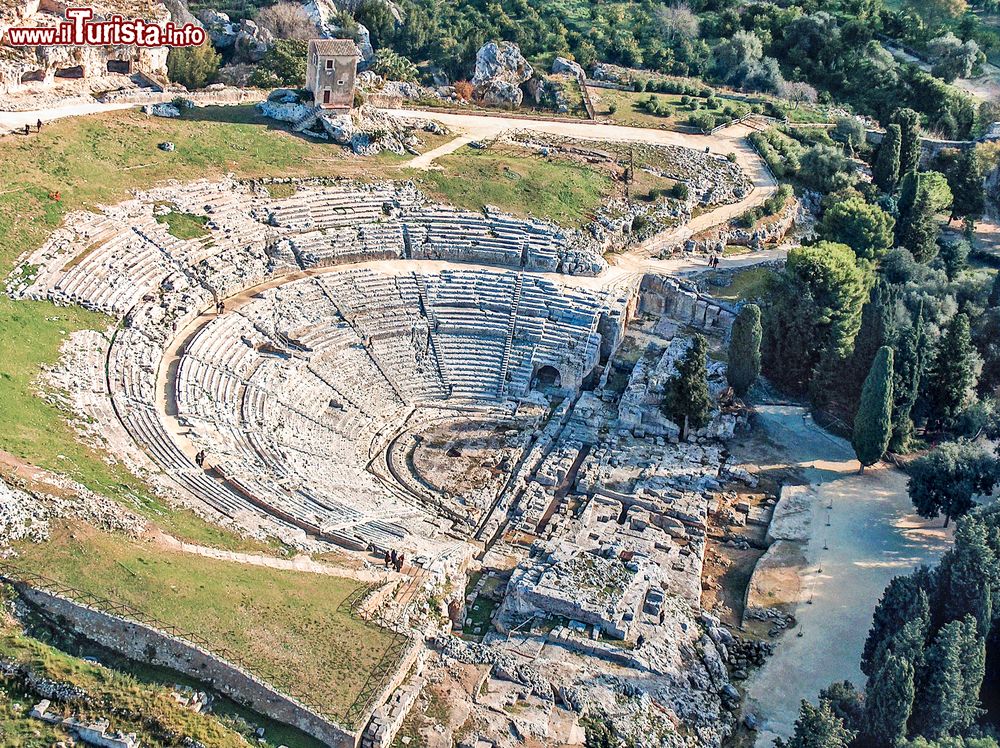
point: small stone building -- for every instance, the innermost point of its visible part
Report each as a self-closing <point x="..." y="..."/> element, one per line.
<point x="331" y="68"/>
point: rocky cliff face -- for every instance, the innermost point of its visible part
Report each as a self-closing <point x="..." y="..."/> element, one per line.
<point x="26" y="66"/>
<point x="500" y="71"/>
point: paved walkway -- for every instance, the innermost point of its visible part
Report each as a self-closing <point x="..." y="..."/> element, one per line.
<point x="872" y="536"/>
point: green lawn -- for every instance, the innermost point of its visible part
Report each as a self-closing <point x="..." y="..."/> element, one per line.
<point x="287" y="624"/>
<point x="156" y="709"/>
<point x="184" y="225"/>
<point x="560" y="191"/>
<point x="747" y="285"/>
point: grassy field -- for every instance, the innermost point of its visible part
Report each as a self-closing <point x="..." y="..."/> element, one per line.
<point x="628" y="111"/>
<point x="184" y="225"/>
<point x="564" y="192"/>
<point x="287" y="624"/>
<point x="747" y="285"/>
<point x="157" y="709"/>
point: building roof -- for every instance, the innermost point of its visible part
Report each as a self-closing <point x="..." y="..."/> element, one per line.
<point x="335" y="47"/>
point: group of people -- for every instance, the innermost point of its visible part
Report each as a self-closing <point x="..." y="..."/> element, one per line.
<point x="27" y="127"/>
<point x="199" y="459"/>
<point x="714" y="260"/>
<point x="394" y="559"/>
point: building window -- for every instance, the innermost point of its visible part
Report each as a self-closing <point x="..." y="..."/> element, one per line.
<point x="329" y="64"/>
<point x="340" y="82"/>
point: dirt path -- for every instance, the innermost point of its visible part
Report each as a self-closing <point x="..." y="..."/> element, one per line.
<point x="300" y="562"/>
<point x="12" y="121"/>
<point x="986" y="86"/>
<point x="868" y="536"/>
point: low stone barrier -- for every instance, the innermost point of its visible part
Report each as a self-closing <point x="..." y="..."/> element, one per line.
<point x="144" y="643"/>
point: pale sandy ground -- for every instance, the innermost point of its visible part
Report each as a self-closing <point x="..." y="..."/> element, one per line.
<point x="872" y="536"/>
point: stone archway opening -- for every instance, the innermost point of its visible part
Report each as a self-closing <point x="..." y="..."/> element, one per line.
<point x="548" y="377"/>
<point x="33" y="76"/>
<point x="120" y="66"/>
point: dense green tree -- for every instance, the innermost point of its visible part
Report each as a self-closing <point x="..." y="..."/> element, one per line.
<point x="846" y="702"/>
<point x="817" y="727"/>
<point x="969" y="573"/>
<point x="907" y="374"/>
<point x="948" y="697"/>
<point x="889" y="702"/>
<point x="951" y="374"/>
<point x="948" y="478"/>
<point x="284" y="64"/>
<point x="953" y="254"/>
<point x="865" y="228"/>
<point x="904" y="601"/>
<point x="919" y="228"/>
<point x="994" y="298"/>
<point x="873" y="422"/>
<point x="849" y="131"/>
<point x="956" y="742"/>
<point x="877" y="329"/>
<point x="744" y="349"/>
<point x="193" y="67"/>
<point x="909" y="143"/>
<point x="966" y="181"/>
<point x="825" y="168"/>
<point x="934" y="183"/>
<point x="812" y="311"/>
<point x="885" y="169"/>
<point x="687" y="401"/>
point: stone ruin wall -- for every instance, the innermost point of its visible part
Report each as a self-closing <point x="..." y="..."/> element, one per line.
<point x="663" y="296"/>
<point x="149" y="645"/>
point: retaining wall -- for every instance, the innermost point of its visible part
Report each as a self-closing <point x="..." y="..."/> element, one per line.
<point x="146" y="644"/>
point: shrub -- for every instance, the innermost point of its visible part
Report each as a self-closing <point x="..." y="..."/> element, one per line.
<point x="393" y="66"/>
<point x="612" y="107"/>
<point x="679" y="191"/>
<point x="704" y="121"/>
<point x="284" y="64"/>
<point x="193" y="67"/>
<point x="464" y="89"/>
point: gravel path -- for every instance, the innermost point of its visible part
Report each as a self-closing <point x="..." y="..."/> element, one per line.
<point x="872" y="536"/>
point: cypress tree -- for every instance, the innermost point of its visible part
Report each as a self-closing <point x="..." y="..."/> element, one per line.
<point x="906" y="374"/>
<point x="969" y="574"/>
<point x="885" y="170"/>
<point x="877" y="325"/>
<point x="966" y="182"/>
<point x="687" y="402"/>
<point x="909" y="143"/>
<point x="947" y="699"/>
<point x="940" y="700"/>
<point x="817" y="727"/>
<point x="744" y="350"/>
<point x="904" y="601"/>
<point x="889" y="702"/>
<point x="919" y="229"/>
<point x="952" y="374"/>
<point x="873" y="422"/>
